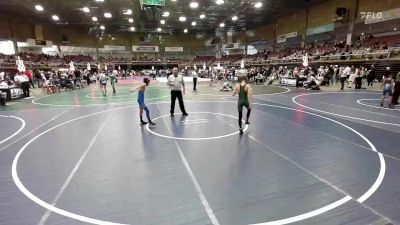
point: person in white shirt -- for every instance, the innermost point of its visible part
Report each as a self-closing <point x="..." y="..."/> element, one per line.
<point x="4" y="91"/>
<point x="194" y="75"/>
<point x="103" y="83"/>
<point x="23" y="82"/>
<point x="3" y="84"/>
<point x="177" y="86"/>
<point x="50" y="86"/>
<point x="3" y="95"/>
<point x="343" y="76"/>
<point x="311" y="81"/>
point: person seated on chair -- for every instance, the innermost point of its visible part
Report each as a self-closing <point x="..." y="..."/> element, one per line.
<point x="259" y="79"/>
<point x="311" y="82"/>
<point x="3" y="95"/>
<point x="66" y="83"/>
<point x="227" y="86"/>
<point x="57" y="83"/>
<point x="50" y="86"/>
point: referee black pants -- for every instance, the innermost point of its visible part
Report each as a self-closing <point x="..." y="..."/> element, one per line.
<point x="194" y="83"/>
<point x="25" y="88"/>
<point x="342" y="80"/>
<point x="174" y="96"/>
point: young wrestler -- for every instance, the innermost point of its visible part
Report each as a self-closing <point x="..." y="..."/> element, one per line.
<point x="245" y="99"/>
<point x="103" y="83"/>
<point x="140" y="100"/>
<point x="113" y="80"/>
<point x="387" y="86"/>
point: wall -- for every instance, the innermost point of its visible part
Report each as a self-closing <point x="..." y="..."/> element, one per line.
<point x="292" y="22"/>
<point x="325" y="12"/>
<point x="18" y="28"/>
<point x="378" y="5"/>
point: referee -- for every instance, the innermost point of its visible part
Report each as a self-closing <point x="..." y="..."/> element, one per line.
<point x="194" y="75"/>
<point x="176" y="84"/>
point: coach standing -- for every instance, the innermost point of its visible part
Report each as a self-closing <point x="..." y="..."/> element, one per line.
<point x="176" y="84"/>
<point x="23" y="81"/>
<point x="194" y="75"/>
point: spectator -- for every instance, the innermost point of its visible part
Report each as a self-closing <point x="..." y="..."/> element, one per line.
<point x="358" y="79"/>
<point x="396" y="93"/>
<point x="371" y="75"/>
<point x="343" y="76"/>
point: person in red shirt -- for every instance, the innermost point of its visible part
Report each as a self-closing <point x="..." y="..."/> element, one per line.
<point x="29" y="75"/>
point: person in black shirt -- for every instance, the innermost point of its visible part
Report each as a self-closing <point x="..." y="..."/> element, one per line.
<point x="371" y="76"/>
<point x="396" y="93"/>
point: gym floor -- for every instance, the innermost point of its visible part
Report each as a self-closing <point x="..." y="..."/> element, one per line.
<point x="306" y="158"/>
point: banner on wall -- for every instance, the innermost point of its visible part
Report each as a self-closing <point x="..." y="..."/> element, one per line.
<point x="258" y="42"/>
<point x="282" y="38"/>
<point x="174" y="49"/>
<point x="136" y="48"/>
<point x="230" y="46"/>
<point x="20" y="65"/>
<point x="114" y="47"/>
<point x="71" y="66"/>
<point x="321" y="29"/>
<point x="35" y="42"/>
<point x="348" y="39"/>
<point x="375" y="17"/>
<point x="305" y="60"/>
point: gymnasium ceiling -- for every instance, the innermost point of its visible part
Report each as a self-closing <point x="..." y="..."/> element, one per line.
<point x="147" y="21"/>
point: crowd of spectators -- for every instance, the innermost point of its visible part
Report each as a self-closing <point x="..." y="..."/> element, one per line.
<point x="367" y="47"/>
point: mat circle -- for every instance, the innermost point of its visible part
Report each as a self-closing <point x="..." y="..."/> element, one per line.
<point x="288" y="220"/>
<point x="196" y="139"/>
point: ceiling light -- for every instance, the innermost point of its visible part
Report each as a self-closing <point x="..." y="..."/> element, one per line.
<point x="55" y="17"/>
<point x="113" y="38"/>
<point x="94" y="18"/>
<point x="130" y="20"/>
<point x="362" y="34"/>
<point x="165" y="14"/>
<point x="107" y="15"/>
<point x="99" y="0"/>
<point x="234" y="18"/>
<point x="86" y="9"/>
<point x="221" y="25"/>
<point x="194" y="23"/>
<point x="258" y="5"/>
<point x="194" y="5"/>
<point x="182" y="18"/>
<point x="162" y="21"/>
<point x="159" y="29"/>
<point x="202" y="16"/>
<point x="220" y="2"/>
<point x="100" y="38"/>
<point x="395" y="28"/>
<point x="173" y="0"/>
<point x="127" y="12"/>
<point x="102" y="27"/>
<point x="185" y="31"/>
<point x="132" y="29"/>
<point x="39" y="8"/>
